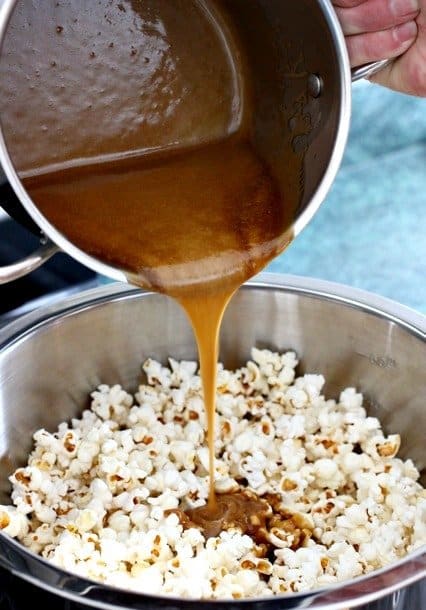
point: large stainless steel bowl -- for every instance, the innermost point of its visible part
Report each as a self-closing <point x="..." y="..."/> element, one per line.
<point x="52" y="358"/>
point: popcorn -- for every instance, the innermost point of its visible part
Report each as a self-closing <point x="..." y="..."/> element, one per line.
<point x="328" y="474"/>
<point x="94" y="496"/>
<point x="13" y="522"/>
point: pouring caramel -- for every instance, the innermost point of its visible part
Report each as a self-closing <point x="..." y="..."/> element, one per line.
<point x="141" y="216"/>
<point x="147" y="159"/>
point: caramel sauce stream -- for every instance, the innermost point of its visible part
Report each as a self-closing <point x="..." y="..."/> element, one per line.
<point x="206" y="316"/>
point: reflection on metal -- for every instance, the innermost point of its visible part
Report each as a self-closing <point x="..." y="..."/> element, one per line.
<point x="369" y="69"/>
<point x="315" y="85"/>
<point x="28" y="264"/>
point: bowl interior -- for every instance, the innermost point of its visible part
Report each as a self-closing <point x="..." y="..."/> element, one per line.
<point x="48" y="369"/>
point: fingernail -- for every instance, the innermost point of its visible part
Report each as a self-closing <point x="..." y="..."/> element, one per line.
<point x="404" y="7"/>
<point x="406" y="31"/>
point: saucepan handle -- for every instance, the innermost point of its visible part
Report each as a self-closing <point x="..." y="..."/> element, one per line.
<point x="12" y="272"/>
<point x="13" y="207"/>
<point x="369" y="69"/>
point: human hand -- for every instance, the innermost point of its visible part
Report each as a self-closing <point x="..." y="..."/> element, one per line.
<point x="382" y="29"/>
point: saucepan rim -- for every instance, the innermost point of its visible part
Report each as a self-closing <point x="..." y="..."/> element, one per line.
<point x="324" y="184"/>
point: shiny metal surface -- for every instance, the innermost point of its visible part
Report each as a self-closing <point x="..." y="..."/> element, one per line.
<point x="52" y="358"/>
<point x="369" y="69"/>
<point x="303" y="38"/>
<point x="28" y="264"/>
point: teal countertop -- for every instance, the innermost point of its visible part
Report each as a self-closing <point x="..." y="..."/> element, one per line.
<point x="371" y="230"/>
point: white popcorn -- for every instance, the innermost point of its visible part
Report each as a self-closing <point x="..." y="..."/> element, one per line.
<point x="119" y="521"/>
<point x="352" y="462"/>
<point x="327" y="474"/>
<point x="12" y="522"/>
<point x="183" y="452"/>
<point x="86" y="520"/>
<point x="298" y="398"/>
<point x="419" y="525"/>
<point x="292" y="455"/>
<point x="291" y="426"/>
<point x="350" y="400"/>
<point x="252" y="468"/>
<point x="101" y="492"/>
<point x="243" y="443"/>
<point x="95" y="496"/>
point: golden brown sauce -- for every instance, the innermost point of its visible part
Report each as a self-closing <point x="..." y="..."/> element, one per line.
<point x="263" y="519"/>
<point x="144" y="155"/>
<point x="205" y="314"/>
<point x="200" y="220"/>
<point x="85" y="80"/>
<point x="238" y="509"/>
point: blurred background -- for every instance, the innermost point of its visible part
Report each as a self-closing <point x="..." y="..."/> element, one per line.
<point x="370" y="232"/>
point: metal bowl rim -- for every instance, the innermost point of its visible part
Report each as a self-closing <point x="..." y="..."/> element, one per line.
<point x="411" y="321"/>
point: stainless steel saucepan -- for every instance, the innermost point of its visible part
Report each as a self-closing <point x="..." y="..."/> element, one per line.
<point x="296" y="56"/>
<point x="52" y="358"/>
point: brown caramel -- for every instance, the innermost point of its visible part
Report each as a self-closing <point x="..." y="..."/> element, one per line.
<point x="258" y="517"/>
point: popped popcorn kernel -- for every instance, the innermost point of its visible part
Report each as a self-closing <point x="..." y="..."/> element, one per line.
<point x="103" y="495"/>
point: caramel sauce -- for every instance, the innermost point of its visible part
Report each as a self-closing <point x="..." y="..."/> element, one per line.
<point x="258" y="517"/>
<point x="241" y="510"/>
<point x="144" y="155"/>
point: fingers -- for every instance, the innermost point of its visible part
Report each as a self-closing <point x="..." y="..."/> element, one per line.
<point x="375" y="46"/>
<point x="348" y="3"/>
<point x="406" y="74"/>
<point x="387" y="29"/>
<point x="374" y="15"/>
